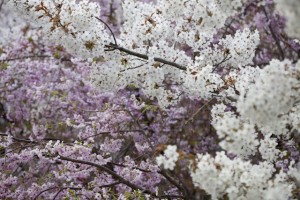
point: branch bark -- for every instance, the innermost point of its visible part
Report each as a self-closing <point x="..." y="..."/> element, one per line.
<point x="112" y="47"/>
<point x="120" y="178"/>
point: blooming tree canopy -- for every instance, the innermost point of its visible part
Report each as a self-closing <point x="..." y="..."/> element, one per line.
<point x="150" y="99"/>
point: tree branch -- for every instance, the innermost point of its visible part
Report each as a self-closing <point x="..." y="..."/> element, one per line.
<point x="109" y="132"/>
<point x="112" y="173"/>
<point x="1" y="4"/>
<point x="112" y="47"/>
<point x="25" y="57"/>
<point x="226" y="58"/>
<point x="29" y="141"/>
<point x="163" y="173"/>
<point x="64" y="188"/>
<point x="31" y="56"/>
<point x="119" y="178"/>
<point x="281" y="53"/>
<point x="56" y="187"/>
<point x="18" y="139"/>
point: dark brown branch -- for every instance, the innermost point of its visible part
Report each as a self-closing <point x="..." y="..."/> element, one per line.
<point x="114" y="47"/>
<point x="18" y="139"/>
<point x="122" y="165"/>
<point x="119" y="178"/>
<point x="59" y="191"/>
<point x="112" y="173"/>
<point x="25" y="57"/>
<point x="110" y="185"/>
<point x="169" y="178"/>
<point x="111" y="46"/>
<point x="37" y="196"/>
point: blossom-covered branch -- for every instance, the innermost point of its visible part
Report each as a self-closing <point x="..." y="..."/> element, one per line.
<point x="164" y="99"/>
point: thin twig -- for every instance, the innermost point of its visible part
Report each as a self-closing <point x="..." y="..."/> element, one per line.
<point x="109" y="29"/>
<point x="36" y="197"/>
<point x="133" y="67"/>
<point x="193" y="116"/>
<point x="226" y="58"/>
